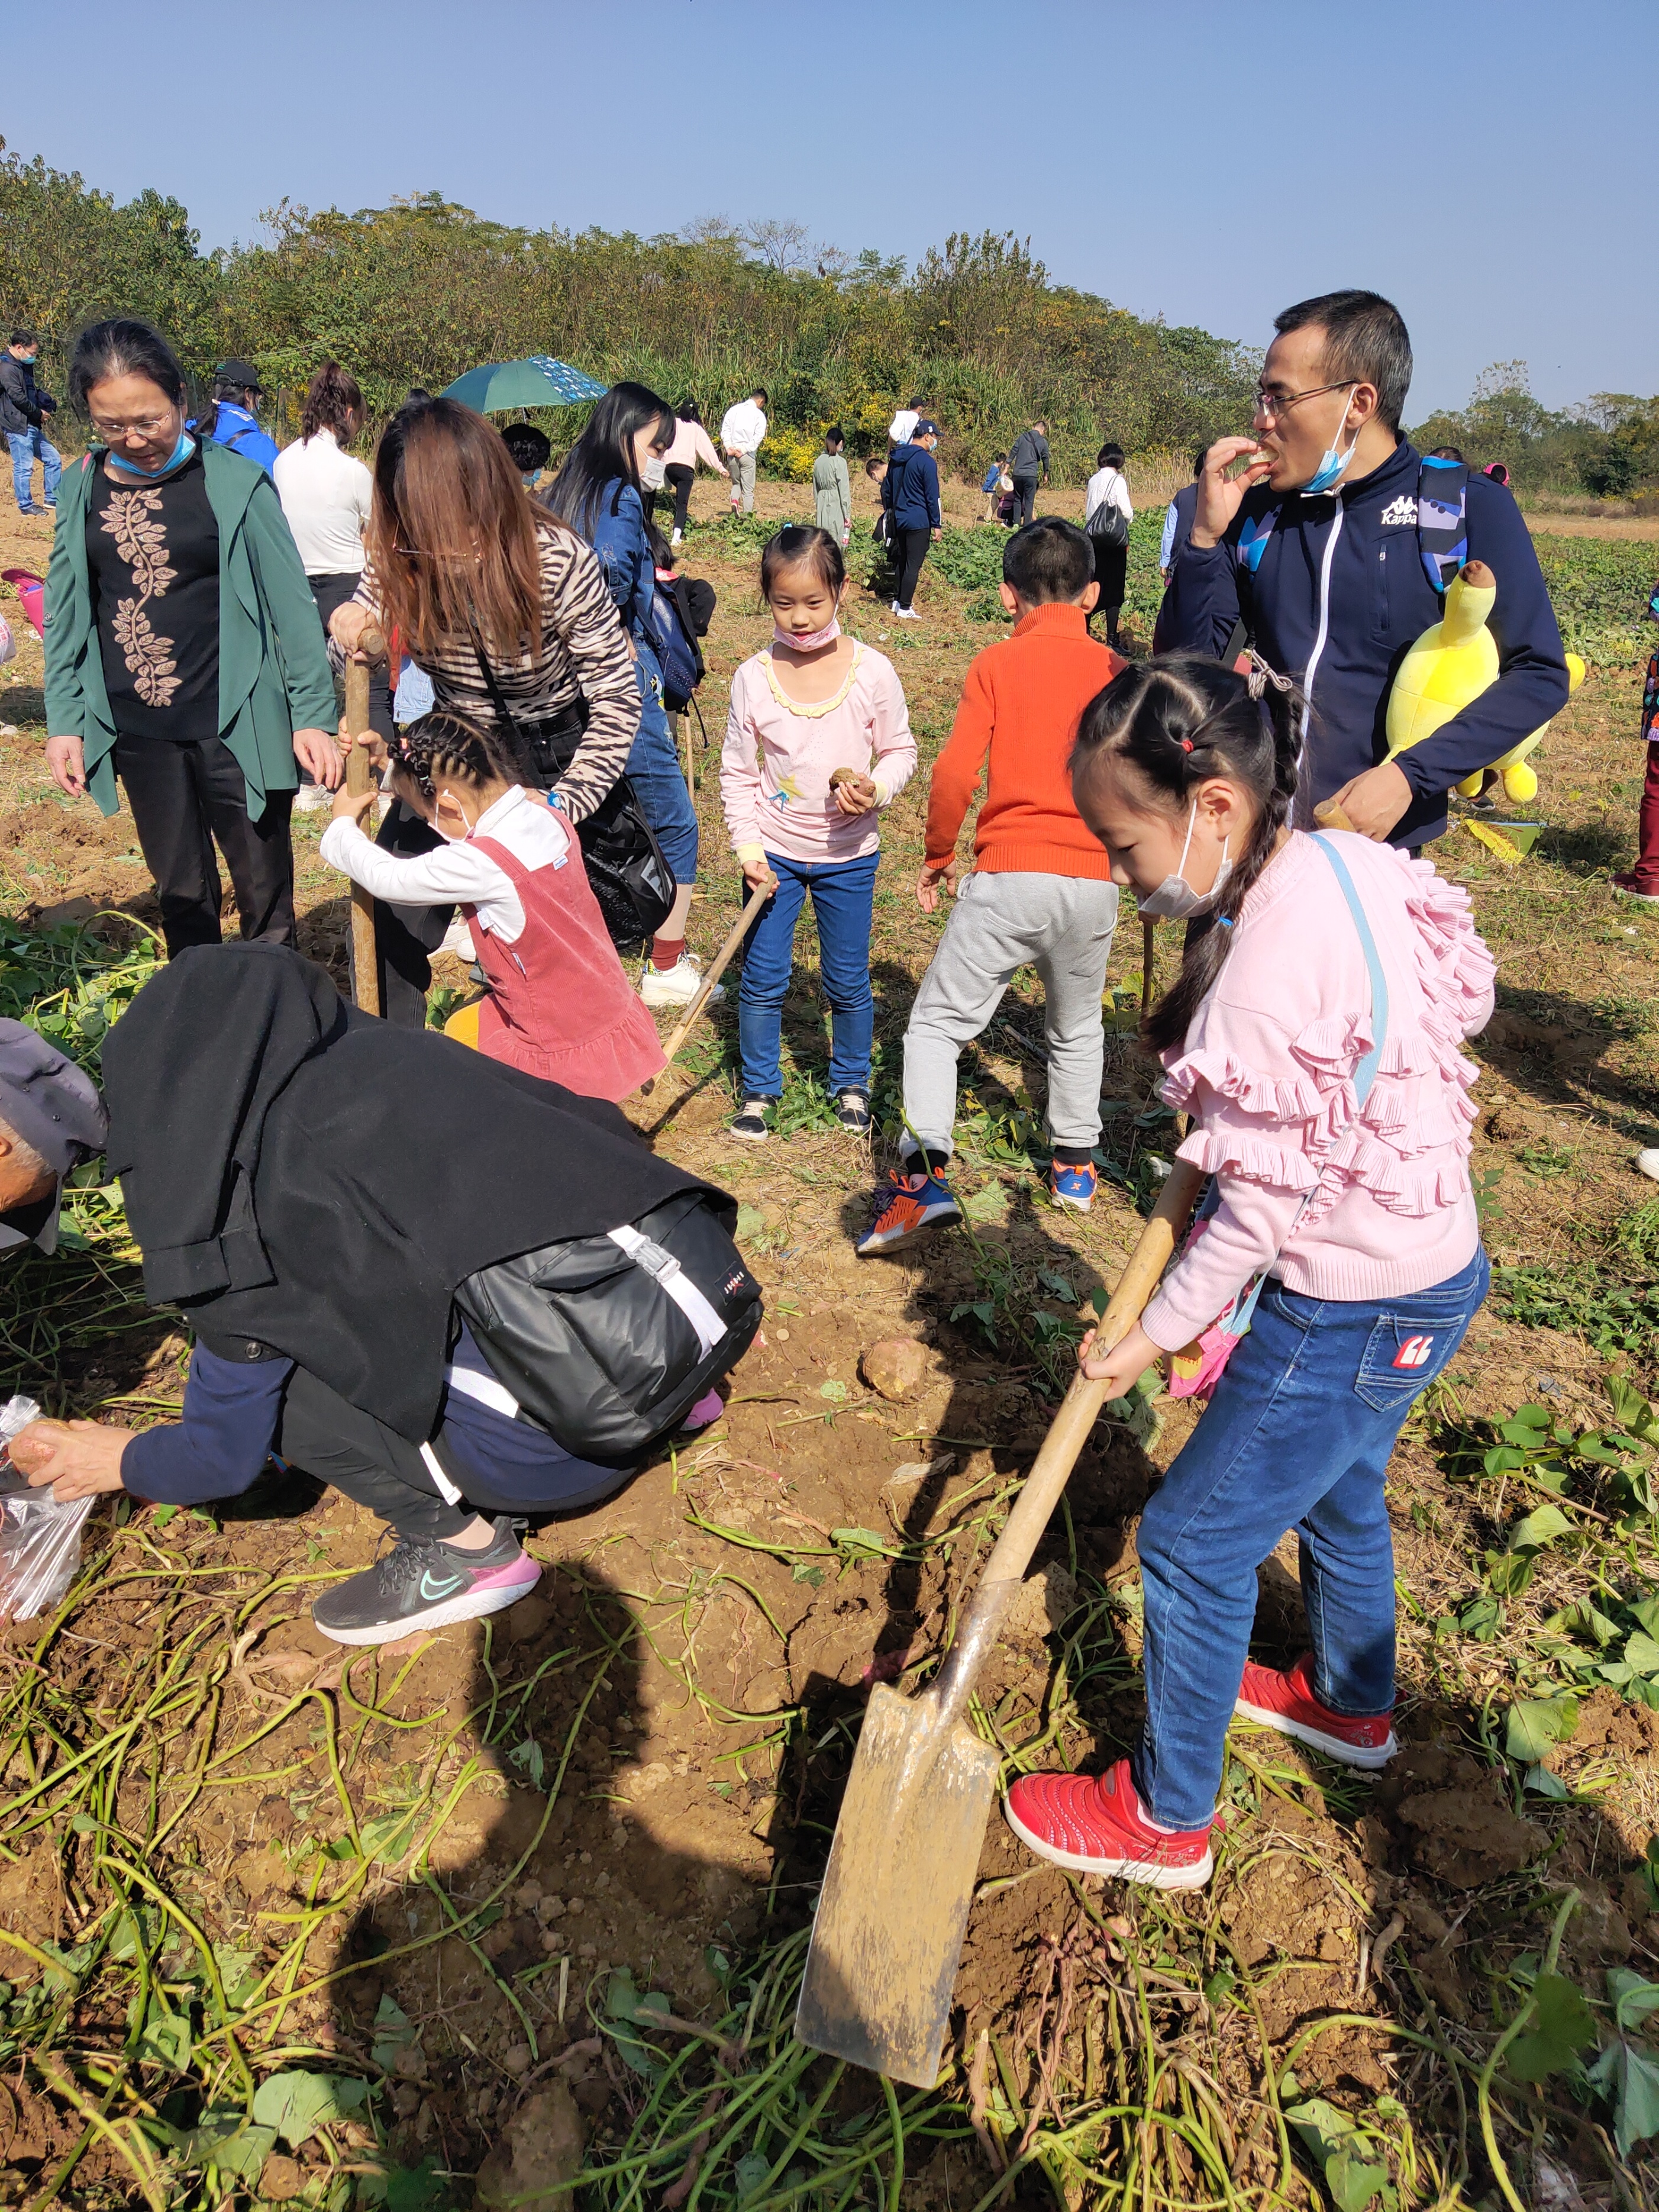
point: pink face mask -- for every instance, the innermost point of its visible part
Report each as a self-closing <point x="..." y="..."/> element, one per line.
<point x="812" y="640"/>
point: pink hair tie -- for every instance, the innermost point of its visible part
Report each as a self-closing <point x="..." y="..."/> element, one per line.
<point x="1186" y="744"/>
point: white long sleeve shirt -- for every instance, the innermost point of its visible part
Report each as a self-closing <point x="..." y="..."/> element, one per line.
<point x="458" y="874"/>
<point x="1107" y="489"/>
<point x="743" y="427"/>
<point x="326" y="495"/>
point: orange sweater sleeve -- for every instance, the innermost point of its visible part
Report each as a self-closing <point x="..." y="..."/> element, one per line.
<point x="957" y="770"/>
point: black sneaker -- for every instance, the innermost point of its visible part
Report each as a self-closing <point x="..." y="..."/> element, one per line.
<point x="426" y="1584"/>
<point x="753" y="1121"/>
<point x="853" y="1110"/>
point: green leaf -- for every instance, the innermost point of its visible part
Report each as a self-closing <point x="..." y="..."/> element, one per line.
<point x="988" y="1205"/>
<point x="422" y="2188"/>
<point x="983" y="1312"/>
<point x="1051" y="1280"/>
<point x="1633" y="1999"/>
<point x="750" y="2172"/>
<point x="224" y="2138"/>
<point x="1331" y="2135"/>
<point x="1629" y="2079"/>
<point x="800" y="1572"/>
<point x="625" y="2008"/>
<point x="1642" y="1653"/>
<point x="167" y="2039"/>
<point x="1538" y="1528"/>
<point x="1536" y="1724"/>
<point x="859" y="1540"/>
<point x="1646" y="1610"/>
<point x="837" y="1391"/>
<point x="750" y="1222"/>
<point x="160" y="1515"/>
<point x="392" y="2029"/>
<point x="527" y="1755"/>
<point x="387" y="1837"/>
<point x="296" y="2104"/>
<point x="1545" y="1785"/>
<point x="1562" y="2024"/>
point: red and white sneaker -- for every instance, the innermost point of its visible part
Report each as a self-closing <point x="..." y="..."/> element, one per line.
<point x="1287" y="1703"/>
<point x="1094" y="1824"/>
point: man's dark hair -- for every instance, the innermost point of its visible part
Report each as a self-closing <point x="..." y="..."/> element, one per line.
<point x="1366" y="342"/>
<point x="1047" y="560"/>
<point x="920" y="404"/>
<point x="530" y="448"/>
<point x="1200" y="454"/>
<point x="1443" y="453"/>
<point x="759" y="392"/>
<point x="22" y="338"/>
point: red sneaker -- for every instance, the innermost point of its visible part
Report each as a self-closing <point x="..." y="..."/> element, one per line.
<point x="1094" y="1825"/>
<point x="1287" y="1703"/>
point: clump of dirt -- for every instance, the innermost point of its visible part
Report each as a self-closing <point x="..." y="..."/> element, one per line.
<point x="1459" y="1825"/>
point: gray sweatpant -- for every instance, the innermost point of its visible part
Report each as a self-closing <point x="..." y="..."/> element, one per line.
<point x="1062" y="926"/>
<point x="740" y="467"/>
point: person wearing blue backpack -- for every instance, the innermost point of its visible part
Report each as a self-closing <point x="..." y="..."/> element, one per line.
<point x="1333" y="546"/>
<point x="230" y="420"/>
<point x="598" y="493"/>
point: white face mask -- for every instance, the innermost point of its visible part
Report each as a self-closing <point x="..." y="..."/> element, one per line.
<point x="1175" y="899"/>
<point x="652" y="475"/>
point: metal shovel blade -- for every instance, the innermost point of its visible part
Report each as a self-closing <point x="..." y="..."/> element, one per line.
<point x="894" y="1904"/>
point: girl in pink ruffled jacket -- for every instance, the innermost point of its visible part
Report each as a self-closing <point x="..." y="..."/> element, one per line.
<point x="1313" y="1035"/>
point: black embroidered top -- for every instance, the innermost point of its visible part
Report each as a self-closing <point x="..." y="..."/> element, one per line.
<point x="152" y="554"/>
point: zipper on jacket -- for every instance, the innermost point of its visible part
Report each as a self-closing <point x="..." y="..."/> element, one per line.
<point x="1318" y="654"/>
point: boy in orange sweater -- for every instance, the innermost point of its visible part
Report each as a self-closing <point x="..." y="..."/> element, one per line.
<point x="1040" y="893"/>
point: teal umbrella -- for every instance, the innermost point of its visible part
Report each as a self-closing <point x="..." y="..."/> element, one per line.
<point x="537" y="382"/>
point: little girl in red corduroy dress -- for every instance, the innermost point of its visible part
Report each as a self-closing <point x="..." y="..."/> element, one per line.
<point x="559" y="1004"/>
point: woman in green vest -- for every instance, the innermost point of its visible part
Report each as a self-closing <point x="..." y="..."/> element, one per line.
<point x="185" y="656"/>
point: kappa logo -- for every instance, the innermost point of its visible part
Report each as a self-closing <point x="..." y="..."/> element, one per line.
<point x="1415" y="1351"/>
<point x="1400" y="513"/>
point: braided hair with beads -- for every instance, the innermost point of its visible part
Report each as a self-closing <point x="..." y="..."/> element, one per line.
<point x="1175" y="722"/>
<point x="442" y="745"/>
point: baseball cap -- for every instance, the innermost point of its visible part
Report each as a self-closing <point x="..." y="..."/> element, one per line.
<point x="924" y="429"/>
<point x="239" y="372"/>
<point x="54" y="1107"/>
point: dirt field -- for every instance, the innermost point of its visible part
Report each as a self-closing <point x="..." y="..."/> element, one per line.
<point x="432" y="1863"/>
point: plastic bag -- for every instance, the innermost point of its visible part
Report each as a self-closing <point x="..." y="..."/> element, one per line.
<point x="39" y="1535"/>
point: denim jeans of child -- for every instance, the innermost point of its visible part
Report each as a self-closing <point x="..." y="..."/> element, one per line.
<point x="659" y="780"/>
<point x="844" y="898"/>
<point x="1297" y="1436"/>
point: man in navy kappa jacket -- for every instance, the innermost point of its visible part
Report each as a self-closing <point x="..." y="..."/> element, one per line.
<point x="1314" y="545"/>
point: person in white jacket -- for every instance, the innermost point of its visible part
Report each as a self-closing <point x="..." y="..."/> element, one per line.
<point x="743" y="433"/>
<point x="1107" y="497"/>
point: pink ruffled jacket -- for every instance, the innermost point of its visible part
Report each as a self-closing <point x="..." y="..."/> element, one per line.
<point x="1267" y="1072"/>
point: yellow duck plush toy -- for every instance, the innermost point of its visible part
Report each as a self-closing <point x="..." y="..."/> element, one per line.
<point x="1453" y="662"/>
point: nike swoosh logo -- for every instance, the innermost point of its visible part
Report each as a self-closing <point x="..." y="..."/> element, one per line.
<point x="429" y="1589"/>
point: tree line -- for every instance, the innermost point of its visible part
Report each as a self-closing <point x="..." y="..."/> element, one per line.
<point x="415" y="293"/>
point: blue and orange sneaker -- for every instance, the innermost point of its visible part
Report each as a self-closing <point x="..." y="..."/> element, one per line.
<point x="1073" y="1186"/>
<point x="904" y="1207"/>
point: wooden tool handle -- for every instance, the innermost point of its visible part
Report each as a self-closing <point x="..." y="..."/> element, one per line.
<point x="757" y="899"/>
<point x="365" y="974"/>
<point x="1148" y="958"/>
<point x="1067" y="1434"/>
<point x="1330" y="816"/>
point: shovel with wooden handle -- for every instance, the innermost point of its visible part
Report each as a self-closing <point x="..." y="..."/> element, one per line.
<point x="365" y="973"/>
<point x="1330" y="815"/>
<point x="757" y="899"/>
<point x="894" y="1905"/>
<point x="1148" y="960"/>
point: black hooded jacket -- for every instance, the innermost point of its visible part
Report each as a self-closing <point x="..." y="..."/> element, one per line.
<point x="298" y="1173"/>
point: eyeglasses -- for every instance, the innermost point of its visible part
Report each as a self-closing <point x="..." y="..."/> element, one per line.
<point x="1275" y="403"/>
<point x="150" y="426"/>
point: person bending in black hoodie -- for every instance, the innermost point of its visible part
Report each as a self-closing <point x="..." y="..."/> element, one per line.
<point x="295" y="1177"/>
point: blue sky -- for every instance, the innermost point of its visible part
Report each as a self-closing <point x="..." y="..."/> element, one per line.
<point x="1490" y="165"/>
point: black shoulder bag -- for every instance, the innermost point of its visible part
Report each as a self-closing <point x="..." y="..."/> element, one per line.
<point x="631" y="880"/>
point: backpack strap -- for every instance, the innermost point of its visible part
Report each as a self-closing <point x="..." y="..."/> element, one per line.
<point x="1365" y="1073"/>
<point x="1443" y="536"/>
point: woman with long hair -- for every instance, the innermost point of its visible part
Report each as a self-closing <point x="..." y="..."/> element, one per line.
<point x="509" y="613"/>
<point x="326" y="495"/>
<point x="184" y="655"/>
<point x="600" y="491"/>
<point x="691" y="444"/>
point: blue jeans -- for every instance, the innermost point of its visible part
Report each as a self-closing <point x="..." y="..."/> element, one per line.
<point x="25" y="446"/>
<point x="1297" y="1436"/>
<point x="659" y="780"/>
<point x="843" y="900"/>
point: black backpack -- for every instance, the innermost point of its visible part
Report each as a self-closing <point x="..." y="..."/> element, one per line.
<point x="1107" y="523"/>
<point x="626" y="868"/>
<point x="607" y="1342"/>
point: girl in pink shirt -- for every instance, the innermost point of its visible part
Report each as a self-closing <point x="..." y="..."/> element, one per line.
<point x="817" y="742"/>
<point x="1313" y="1035"/>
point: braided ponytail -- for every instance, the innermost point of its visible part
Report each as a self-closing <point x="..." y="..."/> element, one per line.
<point x="442" y="744"/>
<point x="1177" y="721"/>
